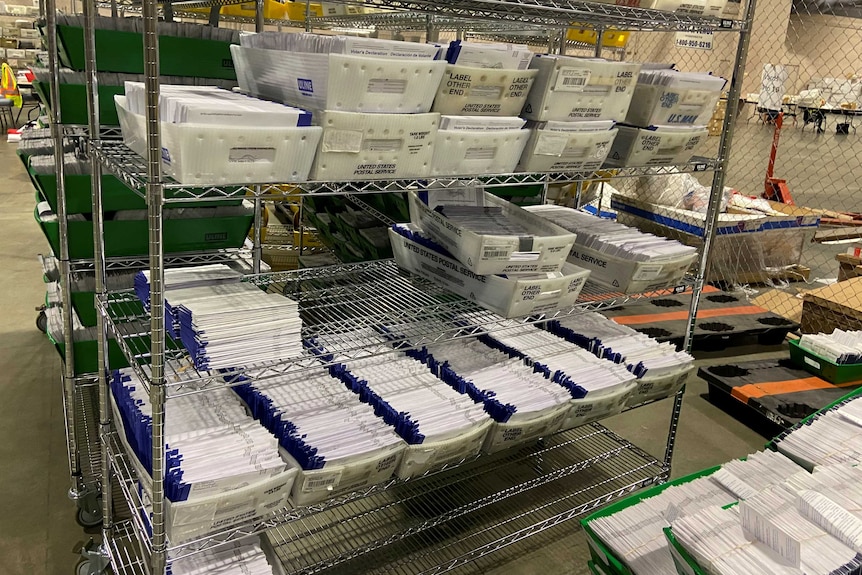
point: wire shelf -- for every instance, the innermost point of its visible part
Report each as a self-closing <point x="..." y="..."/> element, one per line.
<point x="130" y="168"/>
<point x="334" y="302"/>
<point x="172" y="260"/>
<point x="452" y="14"/>
<point x="86" y="423"/>
<point x="540" y="39"/>
<point x="125" y="556"/>
<point x="310" y="538"/>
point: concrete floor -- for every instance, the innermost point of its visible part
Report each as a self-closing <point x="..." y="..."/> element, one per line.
<point x="37" y="527"/>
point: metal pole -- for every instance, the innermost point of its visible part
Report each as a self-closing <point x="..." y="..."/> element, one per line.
<point x="714" y="204"/>
<point x="258" y="16"/>
<point x="432" y="34"/>
<point x="90" y="12"/>
<point x="257" y="251"/>
<point x="599" y="33"/>
<point x="65" y="270"/>
<point x="563" y="39"/>
<point x="155" y="206"/>
<point x="307" y="15"/>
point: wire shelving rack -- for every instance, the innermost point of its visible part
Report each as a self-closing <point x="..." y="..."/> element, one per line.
<point x="456" y="518"/>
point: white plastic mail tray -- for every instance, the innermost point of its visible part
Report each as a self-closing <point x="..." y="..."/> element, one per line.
<point x="627" y="276"/>
<point x="434" y="453"/>
<point x="468" y="91"/>
<point x="339" y="82"/>
<point x="523" y="427"/>
<point x="694" y="223"/>
<point x="198" y="516"/>
<point x="560" y="151"/>
<point x="569" y="88"/>
<point x="667" y="105"/>
<point x="653" y="388"/>
<point x="220" y="155"/>
<point x="375" y="146"/>
<point x="512" y="296"/>
<point x="460" y="152"/>
<point x="598" y="405"/>
<point x="655" y="146"/>
<point x="344" y="475"/>
<point x="544" y="251"/>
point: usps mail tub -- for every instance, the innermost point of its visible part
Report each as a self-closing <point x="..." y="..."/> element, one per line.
<point x="215" y="154"/>
<point x="438" y="451"/>
<point x="339" y="82"/>
<point x="598" y="405"/>
<point x="670" y="105"/>
<point x="344" y="475"/>
<point x="375" y="146"/>
<point x="543" y="251"/>
<point x="655" y="146"/>
<point x="651" y="388"/>
<point x="460" y="152"/>
<point x="198" y="516"/>
<point x="466" y="91"/>
<point x="513" y="296"/>
<point x="523" y="427"/>
<point x="567" y="146"/>
<point x="571" y="89"/>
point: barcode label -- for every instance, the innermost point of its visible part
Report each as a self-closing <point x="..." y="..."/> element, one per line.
<point x="323" y="482"/>
<point x="495" y="254"/>
<point x="572" y="79"/>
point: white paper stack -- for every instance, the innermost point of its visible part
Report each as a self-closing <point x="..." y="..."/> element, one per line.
<point x="179" y="104"/>
<point x="324" y="428"/>
<point x="213" y="446"/>
<point x="181" y="278"/>
<point x="766" y="533"/>
<point x="842" y="347"/>
<point x="668" y="97"/>
<point x="577" y="369"/>
<point x="496" y="55"/>
<point x="523" y="403"/>
<point x="661" y="369"/>
<point x="833" y="437"/>
<point x="635" y="533"/>
<point x="231" y="325"/>
<point x="619" y="257"/>
<point x="440" y="424"/>
<point x="244" y="556"/>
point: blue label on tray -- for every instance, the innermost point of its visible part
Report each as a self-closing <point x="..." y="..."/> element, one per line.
<point x="305" y="86"/>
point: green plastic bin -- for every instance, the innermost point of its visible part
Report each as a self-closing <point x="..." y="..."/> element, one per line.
<point x="683" y="561"/>
<point x="73" y="102"/>
<point x="116" y="196"/>
<point x="823" y="367"/>
<point x="599" y="552"/>
<point x="86" y="360"/>
<point x="125" y="238"/>
<point x="84" y="304"/>
<point x="118" y="51"/>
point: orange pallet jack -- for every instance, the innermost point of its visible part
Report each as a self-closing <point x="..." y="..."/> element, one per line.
<point x="776" y="189"/>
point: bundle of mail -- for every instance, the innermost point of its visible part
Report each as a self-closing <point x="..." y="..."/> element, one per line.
<point x="840" y="346"/>
<point x="225" y="323"/>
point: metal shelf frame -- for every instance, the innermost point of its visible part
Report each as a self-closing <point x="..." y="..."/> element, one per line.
<point x="552" y="467"/>
<point x="334" y="300"/>
<point x="130" y="168"/>
<point x="597" y="476"/>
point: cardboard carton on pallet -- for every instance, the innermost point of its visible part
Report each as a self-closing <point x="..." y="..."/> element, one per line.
<point x="835" y="306"/>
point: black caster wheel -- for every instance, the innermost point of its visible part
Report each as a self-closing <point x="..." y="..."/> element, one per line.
<point x="83" y="567"/>
<point x="42" y="322"/>
<point x="87" y="518"/>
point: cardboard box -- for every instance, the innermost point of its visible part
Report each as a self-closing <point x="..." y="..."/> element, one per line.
<point x="8" y="43"/>
<point x="835" y="306"/>
<point x="848" y="267"/>
<point x="781" y="303"/>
